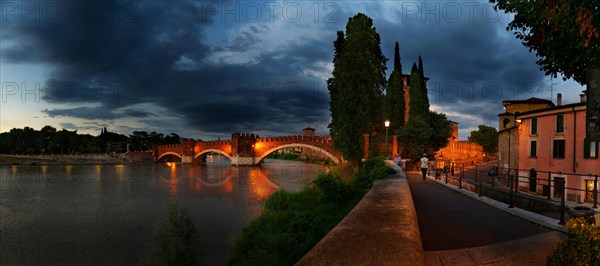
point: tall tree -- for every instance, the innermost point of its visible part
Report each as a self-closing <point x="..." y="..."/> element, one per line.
<point x="417" y="102"/>
<point x="415" y="137"/>
<point x="394" y="104"/>
<point x="441" y="131"/>
<point x="423" y="82"/>
<point x="356" y="88"/>
<point x="563" y="33"/>
<point x="485" y="136"/>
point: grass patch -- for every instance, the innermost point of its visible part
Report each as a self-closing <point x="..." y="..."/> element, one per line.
<point x="291" y="223"/>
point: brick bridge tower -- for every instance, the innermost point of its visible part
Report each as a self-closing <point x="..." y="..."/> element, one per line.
<point x="242" y="149"/>
<point x="187" y="150"/>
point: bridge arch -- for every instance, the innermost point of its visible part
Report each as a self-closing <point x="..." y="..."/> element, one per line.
<point x="299" y="145"/>
<point x="168" y="153"/>
<point x="212" y="150"/>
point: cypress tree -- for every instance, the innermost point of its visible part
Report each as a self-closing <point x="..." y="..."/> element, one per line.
<point x="417" y="104"/>
<point x="394" y="106"/>
<point x="335" y="104"/>
<point x="356" y="88"/>
<point x="397" y="64"/>
<point x="423" y="83"/>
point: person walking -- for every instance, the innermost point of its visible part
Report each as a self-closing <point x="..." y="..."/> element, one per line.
<point x="424" y="165"/>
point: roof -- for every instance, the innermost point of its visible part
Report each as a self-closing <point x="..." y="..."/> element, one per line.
<point x="530" y="100"/>
<point x="566" y="106"/>
<point x="309" y="128"/>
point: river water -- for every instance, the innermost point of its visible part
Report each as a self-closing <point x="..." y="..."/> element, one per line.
<point x="108" y="214"/>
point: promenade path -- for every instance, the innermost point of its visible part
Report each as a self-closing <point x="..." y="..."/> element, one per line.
<point x="459" y="230"/>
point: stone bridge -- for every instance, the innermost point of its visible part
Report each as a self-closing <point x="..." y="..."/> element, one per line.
<point x="247" y="149"/>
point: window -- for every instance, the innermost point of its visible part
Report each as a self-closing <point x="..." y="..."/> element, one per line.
<point x="590" y="149"/>
<point x="533" y="149"/>
<point x="560" y="123"/>
<point x="505" y="122"/>
<point x="533" y="126"/>
<point x="558" y="148"/>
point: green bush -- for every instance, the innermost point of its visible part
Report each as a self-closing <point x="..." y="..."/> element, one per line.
<point x="285" y="200"/>
<point x="332" y="188"/>
<point x="289" y="226"/>
<point x="369" y="172"/>
<point x="291" y="223"/>
<point x="581" y="248"/>
<point x="176" y="242"/>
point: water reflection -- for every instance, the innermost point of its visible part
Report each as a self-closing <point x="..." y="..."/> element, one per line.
<point x="111" y="212"/>
<point x="44" y="169"/>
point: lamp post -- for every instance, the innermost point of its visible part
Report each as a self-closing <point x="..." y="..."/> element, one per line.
<point x="387" y="125"/>
<point x="252" y="154"/>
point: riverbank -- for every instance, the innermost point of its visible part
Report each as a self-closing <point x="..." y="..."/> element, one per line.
<point x="62" y="159"/>
<point x="296" y="157"/>
<point x="292" y="223"/>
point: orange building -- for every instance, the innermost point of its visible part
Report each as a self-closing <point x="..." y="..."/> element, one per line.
<point x="553" y="139"/>
<point x="508" y="142"/>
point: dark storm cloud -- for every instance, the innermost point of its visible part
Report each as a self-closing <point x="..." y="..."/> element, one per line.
<point x="81" y="112"/>
<point x="157" y="52"/>
<point x="472" y="62"/>
<point x="72" y="126"/>
<point x="158" y="56"/>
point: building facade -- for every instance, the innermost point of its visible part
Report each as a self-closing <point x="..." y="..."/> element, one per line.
<point x="459" y="152"/>
<point x="550" y="146"/>
<point x="508" y="141"/>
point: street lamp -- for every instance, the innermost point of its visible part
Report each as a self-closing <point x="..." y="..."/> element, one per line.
<point x="252" y="154"/>
<point x="387" y="125"/>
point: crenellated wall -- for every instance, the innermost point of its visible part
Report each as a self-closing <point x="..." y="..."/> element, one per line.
<point x="461" y="151"/>
<point x="248" y="149"/>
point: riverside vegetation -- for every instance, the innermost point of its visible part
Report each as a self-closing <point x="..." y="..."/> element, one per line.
<point x="176" y="242"/>
<point x="291" y="223"/>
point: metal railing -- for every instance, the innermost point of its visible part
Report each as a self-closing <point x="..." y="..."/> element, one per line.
<point x="550" y="186"/>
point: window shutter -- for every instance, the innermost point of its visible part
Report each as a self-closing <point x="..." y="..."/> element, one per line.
<point x="586" y="148"/>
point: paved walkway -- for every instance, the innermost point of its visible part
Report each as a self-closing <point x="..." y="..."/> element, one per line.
<point x="459" y="228"/>
<point x="531" y="250"/>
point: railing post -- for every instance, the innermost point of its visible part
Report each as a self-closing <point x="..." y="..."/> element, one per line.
<point x="475" y="173"/>
<point x="510" y="202"/>
<point x="562" y="201"/>
<point x="480" y="187"/>
<point x="549" y="185"/>
<point x="595" y="192"/>
<point x="460" y="177"/>
<point x="447" y="175"/>
<point x="516" y="180"/>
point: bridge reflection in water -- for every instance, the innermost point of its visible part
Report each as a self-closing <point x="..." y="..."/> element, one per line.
<point x="112" y="212"/>
<point x="219" y="178"/>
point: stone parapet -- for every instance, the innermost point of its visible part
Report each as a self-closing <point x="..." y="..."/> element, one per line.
<point x="381" y="230"/>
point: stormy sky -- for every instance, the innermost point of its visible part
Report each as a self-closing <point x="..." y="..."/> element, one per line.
<point x="206" y="69"/>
